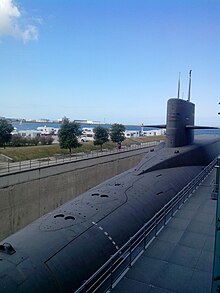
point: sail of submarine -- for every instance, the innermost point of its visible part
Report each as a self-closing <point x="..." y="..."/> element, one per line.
<point x="180" y="120"/>
<point x="62" y="249"/>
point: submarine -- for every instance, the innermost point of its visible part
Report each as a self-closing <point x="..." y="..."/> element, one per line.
<point x="62" y="249"/>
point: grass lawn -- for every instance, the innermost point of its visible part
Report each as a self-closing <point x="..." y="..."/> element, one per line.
<point x="44" y="151"/>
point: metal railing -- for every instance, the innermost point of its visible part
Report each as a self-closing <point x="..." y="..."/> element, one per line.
<point x="104" y="279"/>
<point x="216" y="262"/>
<point x="13" y="167"/>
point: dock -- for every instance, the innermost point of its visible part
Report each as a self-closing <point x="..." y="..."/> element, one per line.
<point x="180" y="258"/>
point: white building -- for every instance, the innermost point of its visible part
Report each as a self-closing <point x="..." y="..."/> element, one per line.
<point x="45" y="130"/>
<point x="87" y="134"/>
<point x="154" y="132"/>
<point x="132" y="133"/>
<point x="26" y="133"/>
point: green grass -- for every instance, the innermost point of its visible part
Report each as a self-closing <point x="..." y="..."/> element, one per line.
<point x="45" y="151"/>
<point x="32" y="152"/>
<point x="35" y="152"/>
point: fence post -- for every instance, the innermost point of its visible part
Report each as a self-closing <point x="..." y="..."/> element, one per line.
<point x="178" y="206"/>
<point x="111" y="274"/>
<point x="155" y="229"/>
<point x="130" y="251"/>
<point x="165" y="216"/>
<point x="145" y="238"/>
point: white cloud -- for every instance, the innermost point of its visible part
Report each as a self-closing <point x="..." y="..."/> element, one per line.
<point x="11" y="23"/>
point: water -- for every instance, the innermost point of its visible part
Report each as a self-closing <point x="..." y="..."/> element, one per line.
<point x="208" y="131"/>
<point x="34" y="125"/>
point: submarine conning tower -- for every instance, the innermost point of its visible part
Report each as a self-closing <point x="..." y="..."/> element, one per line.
<point x="180" y="113"/>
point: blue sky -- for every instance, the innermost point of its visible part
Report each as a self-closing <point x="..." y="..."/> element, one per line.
<point x="108" y="60"/>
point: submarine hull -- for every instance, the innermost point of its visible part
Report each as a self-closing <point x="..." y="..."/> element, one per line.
<point x="62" y="249"/>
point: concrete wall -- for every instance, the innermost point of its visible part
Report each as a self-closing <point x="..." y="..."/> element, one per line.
<point x="27" y="195"/>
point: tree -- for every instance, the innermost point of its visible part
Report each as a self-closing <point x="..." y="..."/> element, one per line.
<point x="101" y="136"/>
<point x="68" y="133"/>
<point x="5" y="132"/>
<point x="117" y="133"/>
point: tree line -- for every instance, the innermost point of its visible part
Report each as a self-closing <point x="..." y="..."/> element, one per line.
<point x="70" y="131"/>
<point x="68" y="134"/>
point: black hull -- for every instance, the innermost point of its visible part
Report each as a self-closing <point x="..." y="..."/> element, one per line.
<point x="62" y="249"/>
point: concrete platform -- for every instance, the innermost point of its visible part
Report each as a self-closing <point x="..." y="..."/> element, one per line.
<point x="180" y="259"/>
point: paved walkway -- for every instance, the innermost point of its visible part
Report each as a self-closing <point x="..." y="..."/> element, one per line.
<point x="180" y="259"/>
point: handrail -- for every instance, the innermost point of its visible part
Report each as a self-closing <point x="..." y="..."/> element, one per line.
<point x="14" y="167"/>
<point x="216" y="268"/>
<point x="119" y="263"/>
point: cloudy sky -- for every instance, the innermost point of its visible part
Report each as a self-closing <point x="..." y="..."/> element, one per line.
<point x="108" y="60"/>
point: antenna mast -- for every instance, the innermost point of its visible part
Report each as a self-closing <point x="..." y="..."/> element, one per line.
<point x="178" y="93"/>
<point x="189" y="85"/>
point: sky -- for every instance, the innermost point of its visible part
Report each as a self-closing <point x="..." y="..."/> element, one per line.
<point x="115" y="61"/>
